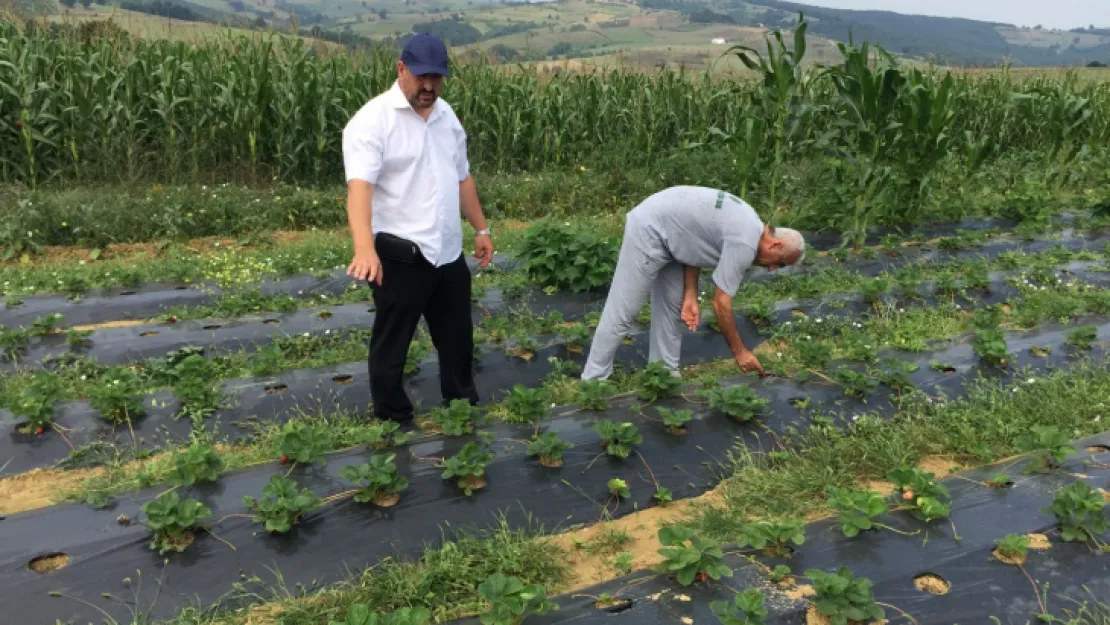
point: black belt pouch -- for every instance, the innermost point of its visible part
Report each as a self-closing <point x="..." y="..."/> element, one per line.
<point x="396" y="248"/>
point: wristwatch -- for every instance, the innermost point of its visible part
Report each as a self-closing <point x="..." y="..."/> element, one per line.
<point x="482" y="232"/>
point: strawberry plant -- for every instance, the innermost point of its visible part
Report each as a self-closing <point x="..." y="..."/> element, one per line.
<point x="999" y="480"/>
<point x="198" y="464"/>
<point x="689" y="556"/>
<point x="1082" y="337"/>
<point x="378" y="479"/>
<point x="77" y="339"/>
<point x="525" y="348"/>
<point x="14" y="343"/>
<point x="528" y="405"/>
<point x="1013" y="547"/>
<point x="855" y="384"/>
<point x="874" y="289"/>
<point x="656" y="381"/>
<point x="196" y="385"/>
<point x="592" y="394"/>
<point x="920" y="492"/>
<point x="567" y="258"/>
<point x="675" y="420"/>
<point x="575" y="335"/>
<point x="457" y="419"/>
<point x="1079" y="511"/>
<point x="1049" y="445"/>
<point x="469" y="466"/>
<point x="619" y="488"/>
<point x="618" y="439"/>
<point x="511" y="601"/>
<point x="359" y="614"/>
<point x="549" y="449"/>
<point x="814" y="354"/>
<point x="760" y="312"/>
<point x="663" y="496"/>
<point x="45" y="326"/>
<point x="496" y="328"/>
<point x="281" y="506"/>
<point x="172" y="521"/>
<point x="774" y="536"/>
<point x="304" y="443"/>
<point x="843" y="598"/>
<point x="35" y="402"/>
<point x="746" y="608"/>
<point x="118" y="398"/>
<point x="990" y="346"/>
<point x="857" y="509"/>
<point x="739" y="402"/>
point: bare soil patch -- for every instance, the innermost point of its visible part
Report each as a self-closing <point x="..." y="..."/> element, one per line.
<point x="39" y="488"/>
<point x="642" y="530"/>
<point x="940" y="466"/>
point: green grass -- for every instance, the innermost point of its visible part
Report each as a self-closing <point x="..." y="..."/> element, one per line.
<point x="445" y="580"/>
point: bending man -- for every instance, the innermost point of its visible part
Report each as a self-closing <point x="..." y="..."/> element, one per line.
<point x="667" y="239"/>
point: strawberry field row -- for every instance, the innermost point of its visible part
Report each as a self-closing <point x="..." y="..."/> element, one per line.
<point x="233" y="406"/>
<point x="134" y="301"/>
<point x="620" y="456"/>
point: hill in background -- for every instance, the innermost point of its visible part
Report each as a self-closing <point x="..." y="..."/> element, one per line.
<point x="649" y="33"/>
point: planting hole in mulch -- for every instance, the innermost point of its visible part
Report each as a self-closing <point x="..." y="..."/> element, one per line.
<point x="274" y="389"/>
<point x="48" y="563"/>
<point x="614" y="605"/>
<point x="323" y="314"/>
<point x="932" y="583"/>
<point x="1098" y="449"/>
<point x="386" y="500"/>
<point x="127" y="293"/>
<point x="180" y="288"/>
<point x="150" y="333"/>
<point x="1038" y="542"/>
<point x="270" y="322"/>
<point x="211" y="327"/>
<point x="370" y="310"/>
<point x="343" y="379"/>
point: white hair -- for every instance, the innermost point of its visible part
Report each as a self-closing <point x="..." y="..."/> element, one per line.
<point x="794" y="242"/>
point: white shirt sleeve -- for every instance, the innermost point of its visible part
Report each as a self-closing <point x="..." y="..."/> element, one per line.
<point x="462" y="162"/>
<point x="363" y="148"/>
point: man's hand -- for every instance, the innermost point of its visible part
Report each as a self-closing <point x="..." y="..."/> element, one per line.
<point x="366" y="266"/>
<point x="691" y="313"/>
<point x="748" y="362"/>
<point x="483" y="249"/>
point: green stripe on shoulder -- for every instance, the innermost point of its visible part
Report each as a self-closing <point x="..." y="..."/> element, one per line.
<point x="721" y="195"/>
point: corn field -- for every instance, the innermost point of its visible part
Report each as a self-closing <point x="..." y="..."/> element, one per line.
<point x="123" y="110"/>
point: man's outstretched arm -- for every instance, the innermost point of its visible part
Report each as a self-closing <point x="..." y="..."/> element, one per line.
<point x="722" y="307"/>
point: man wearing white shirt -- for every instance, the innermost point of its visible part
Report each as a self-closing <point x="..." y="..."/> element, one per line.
<point x="408" y="181"/>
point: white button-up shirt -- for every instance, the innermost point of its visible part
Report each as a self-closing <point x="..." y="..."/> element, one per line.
<point x="415" y="167"/>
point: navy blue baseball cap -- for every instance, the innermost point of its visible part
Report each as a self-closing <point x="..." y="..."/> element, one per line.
<point x="425" y="54"/>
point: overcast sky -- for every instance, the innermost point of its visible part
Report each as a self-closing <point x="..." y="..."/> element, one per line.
<point x="1050" y="13"/>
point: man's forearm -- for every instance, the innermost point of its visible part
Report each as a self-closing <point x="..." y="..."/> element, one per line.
<point x="727" y="322"/>
<point x="690" y="282"/>
<point x="468" y="204"/>
<point x="359" y="214"/>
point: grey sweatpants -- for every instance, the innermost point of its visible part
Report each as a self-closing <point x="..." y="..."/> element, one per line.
<point x="644" y="266"/>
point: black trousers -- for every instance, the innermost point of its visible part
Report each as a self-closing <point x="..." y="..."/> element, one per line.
<point x="442" y="296"/>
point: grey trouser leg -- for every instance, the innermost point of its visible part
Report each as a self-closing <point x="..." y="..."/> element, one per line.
<point x="666" y="315"/>
<point x="632" y="282"/>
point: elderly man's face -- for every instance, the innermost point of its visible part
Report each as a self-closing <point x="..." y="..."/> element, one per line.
<point x="773" y="253"/>
<point x="420" y="91"/>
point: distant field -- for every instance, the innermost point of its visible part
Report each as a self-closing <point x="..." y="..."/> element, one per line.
<point x="1048" y="38"/>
